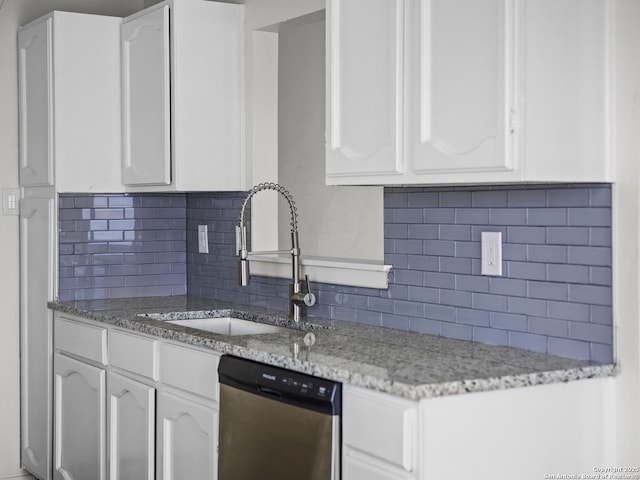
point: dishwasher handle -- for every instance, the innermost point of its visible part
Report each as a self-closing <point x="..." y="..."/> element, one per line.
<point x="270" y="392"/>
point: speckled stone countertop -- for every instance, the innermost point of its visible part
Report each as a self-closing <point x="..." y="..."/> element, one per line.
<point x="409" y="365"/>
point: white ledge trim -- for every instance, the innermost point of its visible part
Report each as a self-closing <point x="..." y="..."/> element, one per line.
<point x="339" y="271"/>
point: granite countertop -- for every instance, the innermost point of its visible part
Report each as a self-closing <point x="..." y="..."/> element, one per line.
<point x="409" y="365"/>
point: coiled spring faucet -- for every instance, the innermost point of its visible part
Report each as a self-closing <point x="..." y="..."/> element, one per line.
<point x="300" y="295"/>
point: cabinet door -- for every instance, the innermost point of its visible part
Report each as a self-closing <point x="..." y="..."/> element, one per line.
<point x="364" y="88"/>
<point x="80" y="419"/>
<point x="37" y="267"/>
<point x="131" y="429"/>
<point x="146" y="99"/>
<point x="35" y="94"/>
<point x="567" y="63"/>
<point x="187" y="440"/>
<point x="391" y="438"/>
<point x="354" y="468"/>
<point x="87" y="103"/>
<point x="460" y="64"/>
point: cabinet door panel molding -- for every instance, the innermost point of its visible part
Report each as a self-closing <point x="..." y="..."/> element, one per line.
<point x="131" y="429"/>
<point x="146" y="99"/>
<point x="365" y="91"/>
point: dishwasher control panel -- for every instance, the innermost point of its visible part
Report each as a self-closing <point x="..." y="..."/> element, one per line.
<point x="281" y="384"/>
<point x="298" y="383"/>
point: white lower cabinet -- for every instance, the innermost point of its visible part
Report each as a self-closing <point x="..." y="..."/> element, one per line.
<point x="379" y="436"/>
<point x="79" y="409"/>
<point x="131" y="390"/>
<point x="359" y="467"/>
<point x="130" y="406"/>
<point x="79" y="420"/>
<point x="137" y="407"/>
<point x="187" y="442"/>
<point x="132" y="416"/>
<point x="187" y="438"/>
<point x="38" y="258"/>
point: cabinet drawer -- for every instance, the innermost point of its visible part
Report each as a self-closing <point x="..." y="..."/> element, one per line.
<point x="134" y="353"/>
<point x="380" y="425"/>
<point x="354" y="468"/>
<point x="87" y="341"/>
<point x="190" y="370"/>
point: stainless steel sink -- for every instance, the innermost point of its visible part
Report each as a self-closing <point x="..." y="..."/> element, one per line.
<point x="213" y="321"/>
<point x="228" y="326"/>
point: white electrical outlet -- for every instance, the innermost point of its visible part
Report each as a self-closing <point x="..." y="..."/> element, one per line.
<point x="491" y="253"/>
<point x="203" y="239"/>
<point x="10" y="201"/>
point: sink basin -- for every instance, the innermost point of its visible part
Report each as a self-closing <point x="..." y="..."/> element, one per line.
<point x="228" y="326"/>
<point x="213" y="321"/>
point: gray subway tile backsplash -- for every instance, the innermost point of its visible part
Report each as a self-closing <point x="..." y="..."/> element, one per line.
<point x="567" y="236"/>
<point x="590" y="294"/>
<point x="508" y="322"/>
<point x="568" y="348"/>
<point x="511" y="287"/>
<point x="527" y="270"/>
<point x="490" y="198"/>
<point x="128" y="245"/>
<point x="454" y="298"/>
<point x="574" y="197"/>
<point x="532" y="341"/>
<point x="527" y="198"/>
<point x="589" y="255"/>
<point x="508" y="216"/>
<point x="454" y="199"/>
<point x="555" y="295"/>
<point x="456" y="330"/>
<point x="600" y="314"/>
<point x="490" y="336"/>
<point x="527" y="235"/>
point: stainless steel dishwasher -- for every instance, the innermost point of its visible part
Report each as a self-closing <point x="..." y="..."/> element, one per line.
<point x="276" y="424"/>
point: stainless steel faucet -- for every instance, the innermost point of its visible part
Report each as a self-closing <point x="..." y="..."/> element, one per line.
<point x="300" y="295"/>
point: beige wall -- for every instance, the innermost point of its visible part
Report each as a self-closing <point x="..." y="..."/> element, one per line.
<point x="285" y="133"/>
<point x="344" y="222"/>
<point x="12" y="14"/>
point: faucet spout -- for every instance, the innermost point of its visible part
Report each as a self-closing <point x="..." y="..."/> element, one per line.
<point x="300" y="295"/>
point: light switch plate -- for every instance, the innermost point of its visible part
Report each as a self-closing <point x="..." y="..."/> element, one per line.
<point x="10" y="201"/>
<point x="203" y="239"/>
<point x="491" y="253"/>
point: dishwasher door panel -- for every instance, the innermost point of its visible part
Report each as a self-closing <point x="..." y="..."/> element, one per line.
<point x="263" y="438"/>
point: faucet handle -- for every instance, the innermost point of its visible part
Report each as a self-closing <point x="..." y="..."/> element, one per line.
<point x="309" y="297"/>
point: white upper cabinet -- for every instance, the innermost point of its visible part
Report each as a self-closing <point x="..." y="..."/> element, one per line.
<point x="566" y="90"/>
<point x="146" y="99"/>
<point x="36" y="123"/>
<point x="364" y="87"/>
<point x="459" y="64"/>
<point x="467" y="91"/>
<point x="183" y="98"/>
<point x="69" y="94"/>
